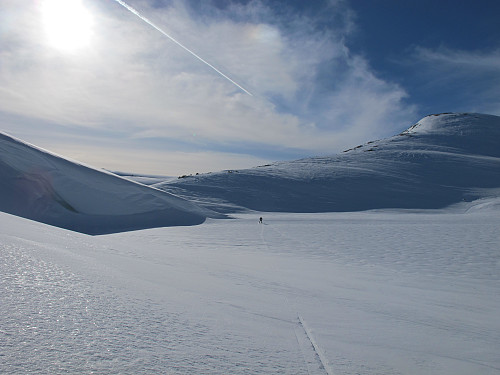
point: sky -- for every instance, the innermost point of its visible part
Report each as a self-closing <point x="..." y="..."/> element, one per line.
<point x="198" y="86"/>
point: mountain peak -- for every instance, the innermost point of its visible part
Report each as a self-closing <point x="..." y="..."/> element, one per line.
<point x="455" y="124"/>
<point x="465" y="133"/>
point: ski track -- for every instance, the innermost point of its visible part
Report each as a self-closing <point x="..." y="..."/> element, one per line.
<point x="318" y="351"/>
<point x="309" y="358"/>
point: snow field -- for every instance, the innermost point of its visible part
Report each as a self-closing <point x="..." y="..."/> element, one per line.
<point x="387" y="292"/>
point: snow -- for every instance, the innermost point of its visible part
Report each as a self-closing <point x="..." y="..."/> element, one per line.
<point x="381" y="292"/>
<point x="46" y="187"/>
<point x="381" y="260"/>
<point x="439" y="161"/>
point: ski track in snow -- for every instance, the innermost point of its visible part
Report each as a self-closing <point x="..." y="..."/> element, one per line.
<point x="309" y="355"/>
<point x="317" y="350"/>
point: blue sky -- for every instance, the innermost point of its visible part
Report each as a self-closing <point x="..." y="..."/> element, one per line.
<point x="92" y="81"/>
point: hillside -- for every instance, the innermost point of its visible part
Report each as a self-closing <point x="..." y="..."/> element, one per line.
<point x="441" y="160"/>
<point x="42" y="186"/>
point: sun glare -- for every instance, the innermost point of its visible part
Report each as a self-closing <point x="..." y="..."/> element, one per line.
<point x="67" y="23"/>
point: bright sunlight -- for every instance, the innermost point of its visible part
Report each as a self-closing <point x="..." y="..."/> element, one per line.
<point x="67" y="23"/>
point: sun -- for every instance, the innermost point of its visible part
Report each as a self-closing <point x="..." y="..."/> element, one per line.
<point x="67" y="24"/>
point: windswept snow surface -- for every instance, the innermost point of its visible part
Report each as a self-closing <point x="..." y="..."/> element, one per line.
<point x="441" y="160"/>
<point x="387" y="292"/>
<point x="45" y="187"/>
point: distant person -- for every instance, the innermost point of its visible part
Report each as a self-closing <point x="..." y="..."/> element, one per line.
<point x="260" y="220"/>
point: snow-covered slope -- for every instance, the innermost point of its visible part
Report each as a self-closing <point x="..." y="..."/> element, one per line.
<point x="441" y="160"/>
<point x="45" y="187"/>
<point x="368" y="293"/>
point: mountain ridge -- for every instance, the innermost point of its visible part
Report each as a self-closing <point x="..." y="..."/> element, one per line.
<point x="441" y="160"/>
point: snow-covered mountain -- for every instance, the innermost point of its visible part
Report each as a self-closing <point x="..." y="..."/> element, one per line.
<point x="42" y="186"/>
<point x="441" y="160"/>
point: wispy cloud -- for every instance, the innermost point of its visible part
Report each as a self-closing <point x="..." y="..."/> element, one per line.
<point x="311" y="93"/>
<point x="483" y="60"/>
<point x="471" y="78"/>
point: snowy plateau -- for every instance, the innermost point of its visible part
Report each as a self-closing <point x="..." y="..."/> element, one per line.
<point x="383" y="259"/>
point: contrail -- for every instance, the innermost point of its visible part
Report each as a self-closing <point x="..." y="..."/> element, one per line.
<point x="132" y="10"/>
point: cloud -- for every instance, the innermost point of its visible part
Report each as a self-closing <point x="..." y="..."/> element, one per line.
<point x="471" y="79"/>
<point x="468" y="59"/>
<point x="311" y="93"/>
<point x="131" y="158"/>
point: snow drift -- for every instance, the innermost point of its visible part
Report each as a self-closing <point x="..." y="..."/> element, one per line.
<point x="441" y="160"/>
<point x="41" y="186"/>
